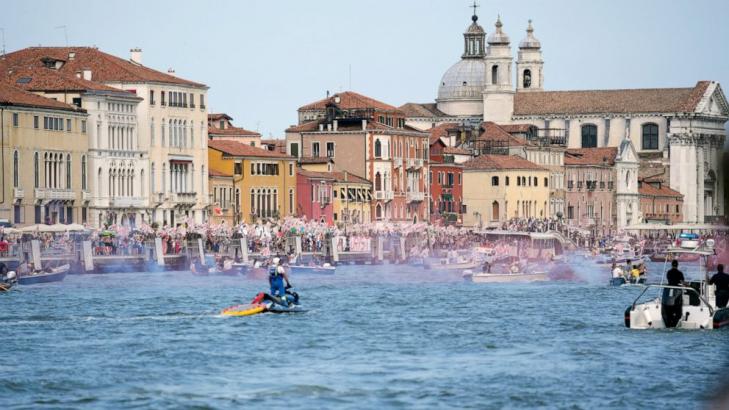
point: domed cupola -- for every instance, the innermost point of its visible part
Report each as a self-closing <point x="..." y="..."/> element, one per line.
<point x="461" y="87"/>
<point x="498" y="37"/>
<point x="530" y="42"/>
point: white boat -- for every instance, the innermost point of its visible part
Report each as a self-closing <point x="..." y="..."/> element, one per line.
<point x="458" y="265"/>
<point x="325" y="269"/>
<point x="684" y="307"/>
<point x="504" y="277"/>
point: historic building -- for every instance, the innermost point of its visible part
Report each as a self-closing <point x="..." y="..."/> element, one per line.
<point x="44" y="159"/>
<point x="314" y="196"/>
<point x="497" y="188"/>
<point x="118" y="188"/>
<point x="265" y="181"/>
<point x="679" y="129"/>
<point x="379" y="147"/>
<point x="590" y="197"/>
<point x="658" y="203"/>
<point x="225" y="198"/>
<point x="220" y="127"/>
<point x="171" y="129"/>
<point x="446" y="182"/>
<point x="352" y="198"/>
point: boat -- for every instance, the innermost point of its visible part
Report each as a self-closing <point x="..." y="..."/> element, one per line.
<point x="55" y="275"/>
<point x="684" y="307"/>
<point x="8" y="281"/>
<point x="325" y="269"/>
<point x="445" y="264"/>
<point x="263" y="302"/>
<point x="514" y="273"/>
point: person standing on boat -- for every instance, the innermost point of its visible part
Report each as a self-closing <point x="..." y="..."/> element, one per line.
<point x="721" y="281"/>
<point x="672" y="301"/>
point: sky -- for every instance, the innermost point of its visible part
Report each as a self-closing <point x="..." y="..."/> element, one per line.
<point x="263" y="59"/>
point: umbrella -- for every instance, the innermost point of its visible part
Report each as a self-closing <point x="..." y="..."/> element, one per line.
<point x="107" y="233"/>
<point x="75" y="228"/>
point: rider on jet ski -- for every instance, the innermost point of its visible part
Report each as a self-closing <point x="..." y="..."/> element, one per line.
<point x="276" y="278"/>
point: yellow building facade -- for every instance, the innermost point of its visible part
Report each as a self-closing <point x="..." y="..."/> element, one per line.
<point x="352" y="198"/>
<point x="497" y="188"/>
<point x="224" y="198"/>
<point x="265" y="181"/>
<point x="44" y="159"/>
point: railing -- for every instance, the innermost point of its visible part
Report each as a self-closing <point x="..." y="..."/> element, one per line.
<point x="384" y="195"/>
<point x="127" y="202"/>
<point x="415" y="196"/>
<point x="52" y="193"/>
<point x="18" y="193"/>
<point x="85" y="195"/>
<point x="684" y="288"/>
<point x="185" y="198"/>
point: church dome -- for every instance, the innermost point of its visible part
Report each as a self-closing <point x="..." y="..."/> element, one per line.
<point x="530" y="42"/>
<point x="465" y="80"/>
<point x="498" y="37"/>
<point x="474" y="27"/>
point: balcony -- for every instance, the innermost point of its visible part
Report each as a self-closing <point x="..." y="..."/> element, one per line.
<point x="85" y="195"/>
<point x="127" y="202"/>
<point x="397" y="162"/>
<point x="18" y="193"/>
<point x="55" y="194"/>
<point x="418" y="163"/>
<point x="384" y="195"/>
<point x="185" y="198"/>
<point x="415" y="196"/>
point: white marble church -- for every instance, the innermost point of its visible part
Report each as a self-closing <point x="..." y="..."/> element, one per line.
<point x="678" y="132"/>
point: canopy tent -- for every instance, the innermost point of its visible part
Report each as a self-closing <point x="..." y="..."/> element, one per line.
<point x="56" y="228"/>
<point x="75" y="228"/>
<point x="10" y="231"/>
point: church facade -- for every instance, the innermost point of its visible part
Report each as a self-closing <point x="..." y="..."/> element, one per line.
<point x="675" y="132"/>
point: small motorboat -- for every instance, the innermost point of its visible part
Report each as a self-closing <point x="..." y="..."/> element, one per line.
<point x="448" y="265"/>
<point x="514" y="273"/>
<point x="263" y="302"/>
<point x="325" y="269"/>
<point x="53" y="275"/>
<point x="685" y="307"/>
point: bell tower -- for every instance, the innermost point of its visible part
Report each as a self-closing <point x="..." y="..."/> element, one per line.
<point x="530" y="63"/>
<point x="498" y="95"/>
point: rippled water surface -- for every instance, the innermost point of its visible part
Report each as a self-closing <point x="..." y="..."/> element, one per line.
<point x="372" y="337"/>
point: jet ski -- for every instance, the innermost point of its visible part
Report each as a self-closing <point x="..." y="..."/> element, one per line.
<point x="263" y="302"/>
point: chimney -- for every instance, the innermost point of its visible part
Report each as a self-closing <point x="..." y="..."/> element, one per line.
<point x="321" y="127"/>
<point x="78" y="74"/>
<point x="136" y="55"/>
<point x="336" y="125"/>
<point x="71" y="55"/>
<point x="171" y="71"/>
<point x="329" y="127"/>
<point x="87" y="74"/>
<point x="364" y="124"/>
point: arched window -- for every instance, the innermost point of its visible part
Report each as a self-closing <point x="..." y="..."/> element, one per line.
<point x="152" y="184"/>
<point x="494" y="181"/>
<point x="650" y="136"/>
<point x="68" y="171"/>
<point x="527" y="78"/>
<point x="378" y="149"/>
<point x="495" y="211"/>
<point x="589" y="136"/>
<point x="536" y="181"/>
<point x="151" y="132"/>
<point x="83" y="172"/>
<point x="164" y="177"/>
<point x="378" y="211"/>
<point x="494" y="74"/>
<point x="16" y="177"/>
<point x="36" y="171"/>
<point x="378" y="182"/>
<point x="141" y="183"/>
<point x="291" y="201"/>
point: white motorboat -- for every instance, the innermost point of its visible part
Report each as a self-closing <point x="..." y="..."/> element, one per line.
<point x="515" y="273"/>
<point x="449" y="265"/>
<point x="692" y="306"/>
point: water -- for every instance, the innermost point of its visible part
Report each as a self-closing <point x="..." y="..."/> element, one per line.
<point x="373" y="337"/>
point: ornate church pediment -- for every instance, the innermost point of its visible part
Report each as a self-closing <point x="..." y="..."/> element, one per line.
<point x="714" y="102"/>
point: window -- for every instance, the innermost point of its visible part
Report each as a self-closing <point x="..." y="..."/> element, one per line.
<point x="36" y="171"/>
<point x="16" y="120"/>
<point x="202" y="100"/>
<point x="192" y="100"/>
<point x="37" y="214"/>
<point x="294" y="148"/>
<point x="378" y="149"/>
<point x="238" y="168"/>
<point x="494" y="181"/>
<point x="291" y="169"/>
<point x="151" y="97"/>
<point x="16" y="164"/>
<point x="83" y="172"/>
<point x="570" y="184"/>
<point x="494" y="74"/>
<point x="570" y="212"/>
<point x="152" y="183"/>
<point x="527" y="82"/>
<point x="314" y="149"/>
<point x="36" y="122"/>
<point x="83" y="126"/>
<point x="450" y="179"/>
<point x="459" y="179"/>
<point x="650" y="136"/>
<point x="677" y="209"/>
<point x="330" y="150"/>
<point x="536" y="181"/>
<point x="589" y="136"/>
<point x="162" y="97"/>
<point x="68" y="125"/>
<point x="518" y="181"/>
<point x="546" y="182"/>
<point x="222" y="124"/>
<point x="68" y="171"/>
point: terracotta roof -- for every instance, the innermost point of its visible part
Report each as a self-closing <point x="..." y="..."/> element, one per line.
<point x="219" y="116"/>
<point x="422" y="110"/>
<point x="440" y="131"/>
<point x="232" y="131"/>
<point x="591" y="156"/>
<point x="313" y="126"/>
<point x="14" y="96"/>
<point x="455" y="151"/>
<point x="497" y="162"/>
<point x="649" y="190"/>
<point x="349" y="100"/>
<point x="493" y="132"/>
<point x="652" y="174"/>
<point x="314" y="174"/>
<point x="237" y="149"/>
<point x="516" y="128"/>
<point x="305" y="127"/>
<point x="656" y="100"/>
<point x="355" y="179"/>
<point x="46" y="79"/>
<point x="216" y="173"/>
<point x="104" y="67"/>
<point x="315" y="160"/>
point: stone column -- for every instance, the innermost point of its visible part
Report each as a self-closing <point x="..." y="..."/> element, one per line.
<point x="700" y="192"/>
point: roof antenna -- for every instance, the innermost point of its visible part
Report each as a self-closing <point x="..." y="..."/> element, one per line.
<point x="65" y="33"/>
